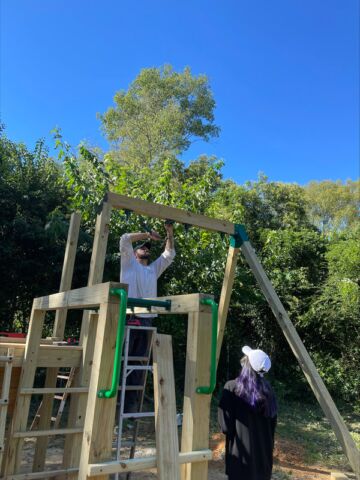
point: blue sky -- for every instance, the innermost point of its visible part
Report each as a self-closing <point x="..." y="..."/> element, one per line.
<point x="284" y="73"/>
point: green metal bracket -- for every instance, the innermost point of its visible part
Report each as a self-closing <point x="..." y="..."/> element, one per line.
<point x="118" y="348"/>
<point x="214" y="313"/>
<point x="240" y="236"/>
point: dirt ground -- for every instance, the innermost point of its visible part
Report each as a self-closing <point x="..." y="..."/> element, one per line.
<point x="288" y="460"/>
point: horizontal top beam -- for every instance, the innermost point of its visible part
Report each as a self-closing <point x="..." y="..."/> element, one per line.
<point x="142" y="207"/>
<point x="179" y="304"/>
<point x="86" y="297"/>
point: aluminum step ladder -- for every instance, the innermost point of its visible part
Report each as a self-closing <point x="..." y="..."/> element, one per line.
<point x="142" y="364"/>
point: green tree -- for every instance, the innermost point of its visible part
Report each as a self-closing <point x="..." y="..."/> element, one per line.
<point x="32" y="229"/>
<point x="333" y="206"/>
<point x="159" y="116"/>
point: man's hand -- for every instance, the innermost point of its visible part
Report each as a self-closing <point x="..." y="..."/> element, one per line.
<point x="169" y="227"/>
<point x="155" y="236"/>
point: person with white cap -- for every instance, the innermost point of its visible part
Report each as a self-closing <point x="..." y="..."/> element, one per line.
<point x="247" y="415"/>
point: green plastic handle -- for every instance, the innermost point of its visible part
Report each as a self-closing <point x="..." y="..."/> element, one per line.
<point x="214" y="314"/>
<point x="118" y="348"/>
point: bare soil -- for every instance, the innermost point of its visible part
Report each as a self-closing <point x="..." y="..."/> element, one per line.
<point x="288" y="460"/>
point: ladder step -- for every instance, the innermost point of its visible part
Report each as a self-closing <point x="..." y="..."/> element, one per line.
<point x="136" y="359"/>
<point x="63" y="377"/>
<point x="139" y="367"/>
<point x="138" y="415"/>
<point x="132" y="387"/>
<point x="58" y="397"/>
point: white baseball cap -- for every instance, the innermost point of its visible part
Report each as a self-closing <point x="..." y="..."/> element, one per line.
<point x="258" y="359"/>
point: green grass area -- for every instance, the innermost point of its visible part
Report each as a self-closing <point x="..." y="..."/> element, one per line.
<point x="306" y="425"/>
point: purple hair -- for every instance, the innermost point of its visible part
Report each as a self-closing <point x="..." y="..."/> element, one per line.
<point x="255" y="390"/>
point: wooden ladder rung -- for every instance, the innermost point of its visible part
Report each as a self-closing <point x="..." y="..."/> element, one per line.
<point x="48" y="474"/>
<point x="45" y="433"/>
<point x="55" y="390"/>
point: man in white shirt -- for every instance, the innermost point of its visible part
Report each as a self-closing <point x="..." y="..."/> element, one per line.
<point x="141" y="277"/>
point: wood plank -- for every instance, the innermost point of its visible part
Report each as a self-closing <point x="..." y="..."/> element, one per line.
<point x="156" y="210"/>
<point x="46" y="433"/>
<point x="67" y="271"/>
<point x="167" y="442"/>
<point x="315" y="381"/>
<point x="196" y="409"/>
<point x="48" y="355"/>
<point x="5" y="396"/>
<point x="63" y="473"/>
<point x="179" y="304"/>
<point x="76" y="416"/>
<point x="144" y="463"/>
<point x="22" y="405"/>
<point x="224" y="302"/>
<point x="98" y="255"/>
<point x="86" y="297"/>
<point x="53" y="390"/>
<point x="100" y="412"/>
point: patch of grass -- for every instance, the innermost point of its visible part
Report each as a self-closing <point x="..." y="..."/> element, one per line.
<point x="306" y="425"/>
<point x="280" y="475"/>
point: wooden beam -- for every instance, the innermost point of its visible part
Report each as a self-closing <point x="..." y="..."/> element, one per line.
<point x="77" y="410"/>
<point x="195" y="427"/>
<point x="48" y="355"/>
<point x="46" y="433"/>
<point x="86" y="297"/>
<point x="156" y="210"/>
<point x="22" y="404"/>
<point x="53" y="390"/>
<point x="66" y="473"/>
<point x="144" y="463"/>
<point x="97" y="261"/>
<point x="5" y="396"/>
<point x="100" y="412"/>
<point x="67" y="271"/>
<point x="225" y="296"/>
<point x="179" y="304"/>
<point x="302" y="356"/>
<point x="167" y="442"/>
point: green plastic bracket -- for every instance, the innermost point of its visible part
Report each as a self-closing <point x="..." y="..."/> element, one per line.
<point x="240" y="236"/>
<point x="112" y="391"/>
<point x="214" y="313"/>
<point x="142" y="302"/>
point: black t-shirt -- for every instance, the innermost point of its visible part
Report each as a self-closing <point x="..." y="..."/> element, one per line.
<point x="249" y="437"/>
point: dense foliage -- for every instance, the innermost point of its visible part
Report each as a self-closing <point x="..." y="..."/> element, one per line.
<point x="308" y="247"/>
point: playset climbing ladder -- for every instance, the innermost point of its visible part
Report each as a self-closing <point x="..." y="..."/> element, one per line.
<point x="89" y="434"/>
<point x="142" y="364"/>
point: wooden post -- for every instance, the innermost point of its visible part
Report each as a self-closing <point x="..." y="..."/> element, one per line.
<point x="67" y="271"/>
<point x="302" y="356"/>
<point x="45" y="409"/>
<point x="78" y="405"/>
<point x="167" y="442"/>
<point x="22" y="404"/>
<point x="100" y="412"/>
<point x="226" y="291"/>
<point x="196" y="410"/>
<point x="5" y="395"/>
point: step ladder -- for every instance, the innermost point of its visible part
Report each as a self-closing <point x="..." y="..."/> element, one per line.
<point x="64" y="376"/>
<point x="5" y="393"/>
<point x="142" y="364"/>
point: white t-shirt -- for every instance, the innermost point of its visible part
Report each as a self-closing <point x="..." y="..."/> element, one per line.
<point x="142" y="279"/>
